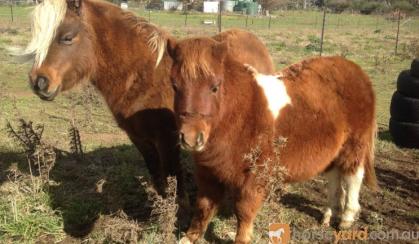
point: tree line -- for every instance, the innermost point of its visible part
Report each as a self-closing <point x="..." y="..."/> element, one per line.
<point x="339" y="6"/>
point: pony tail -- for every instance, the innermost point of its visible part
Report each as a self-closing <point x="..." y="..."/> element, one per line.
<point x="370" y="176"/>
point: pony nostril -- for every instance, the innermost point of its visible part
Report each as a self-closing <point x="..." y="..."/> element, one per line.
<point x="41" y="83"/>
<point x="182" y="138"/>
<point x="200" y="139"/>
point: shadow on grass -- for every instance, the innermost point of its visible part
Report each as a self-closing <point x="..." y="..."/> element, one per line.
<point x="104" y="182"/>
<point x="384" y="135"/>
<point x="211" y="236"/>
<point x="397" y="197"/>
<point x="397" y="182"/>
<point x="301" y="204"/>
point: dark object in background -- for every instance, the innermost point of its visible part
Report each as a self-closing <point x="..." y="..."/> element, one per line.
<point x="407" y="84"/>
<point x="414" y="68"/>
<point x="405" y="134"/>
<point x="404" y="108"/>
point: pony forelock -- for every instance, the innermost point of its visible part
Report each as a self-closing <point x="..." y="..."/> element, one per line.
<point x="46" y="18"/>
<point x="196" y="59"/>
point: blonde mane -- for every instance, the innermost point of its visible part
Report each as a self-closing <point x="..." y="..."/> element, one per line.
<point x="46" y="17"/>
<point x="157" y="42"/>
<point x="49" y="14"/>
<point x="157" y="38"/>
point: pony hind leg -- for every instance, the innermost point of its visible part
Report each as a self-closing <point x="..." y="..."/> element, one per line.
<point x="351" y="161"/>
<point x="336" y="195"/>
<point x="353" y="183"/>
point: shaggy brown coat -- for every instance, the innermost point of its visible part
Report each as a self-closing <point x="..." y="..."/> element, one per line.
<point x="330" y="123"/>
<point x="118" y="53"/>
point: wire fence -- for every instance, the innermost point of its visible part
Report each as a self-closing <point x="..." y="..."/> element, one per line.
<point x="286" y="19"/>
<point x="19" y="14"/>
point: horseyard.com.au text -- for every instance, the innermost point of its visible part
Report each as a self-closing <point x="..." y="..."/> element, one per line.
<point x="282" y="233"/>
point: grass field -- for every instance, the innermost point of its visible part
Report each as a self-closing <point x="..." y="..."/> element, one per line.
<point x="101" y="200"/>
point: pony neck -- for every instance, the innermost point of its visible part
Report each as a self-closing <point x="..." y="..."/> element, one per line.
<point x="125" y="61"/>
<point x="245" y="120"/>
<point x="246" y="98"/>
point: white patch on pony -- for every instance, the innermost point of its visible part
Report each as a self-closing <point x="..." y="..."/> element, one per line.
<point x="275" y="92"/>
<point x="46" y="18"/>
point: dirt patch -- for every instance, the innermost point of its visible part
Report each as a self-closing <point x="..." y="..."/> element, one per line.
<point x="395" y="206"/>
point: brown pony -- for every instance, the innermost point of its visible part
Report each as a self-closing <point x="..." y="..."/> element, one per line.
<point x="324" y="107"/>
<point x="125" y="59"/>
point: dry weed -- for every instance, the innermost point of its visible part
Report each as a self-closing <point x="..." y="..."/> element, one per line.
<point x="39" y="154"/>
<point x="87" y="98"/>
<point x="76" y="147"/>
<point x="119" y="229"/>
<point x="164" y="210"/>
<point x="269" y="174"/>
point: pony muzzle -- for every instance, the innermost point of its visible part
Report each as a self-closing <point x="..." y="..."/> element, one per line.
<point x="41" y="87"/>
<point x="192" y="141"/>
<point x="193" y="137"/>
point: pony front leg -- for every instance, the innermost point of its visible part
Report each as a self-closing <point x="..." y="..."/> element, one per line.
<point x="153" y="163"/>
<point x="210" y="194"/>
<point x="169" y="154"/>
<point x="247" y="204"/>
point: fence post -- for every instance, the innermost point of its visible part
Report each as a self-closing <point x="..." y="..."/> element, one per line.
<point x="186" y="17"/>
<point x="219" y="16"/>
<point x="11" y="10"/>
<point x="269" y="23"/>
<point x="247" y="17"/>
<point x="398" y="31"/>
<point x="149" y="15"/>
<point x="321" y="39"/>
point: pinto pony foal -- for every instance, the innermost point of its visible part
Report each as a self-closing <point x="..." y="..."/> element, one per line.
<point x="125" y="58"/>
<point x="323" y="106"/>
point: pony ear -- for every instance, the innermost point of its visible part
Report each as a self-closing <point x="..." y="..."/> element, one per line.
<point x="220" y="51"/>
<point x="171" y="47"/>
<point x="74" y="5"/>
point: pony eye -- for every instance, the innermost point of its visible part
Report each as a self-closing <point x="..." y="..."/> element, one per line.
<point x="215" y="88"/>
<point x="67" y="39"/>
<point x="175" y="88"/>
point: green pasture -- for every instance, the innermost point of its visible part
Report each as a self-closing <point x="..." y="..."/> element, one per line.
<point x="100" y="199"/>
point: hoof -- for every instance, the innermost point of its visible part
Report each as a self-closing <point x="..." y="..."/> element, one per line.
<point x="327" y="217"/>
<point x="344" y="224"/>
<point x="325" y="224"/>
<point x="185" y="240"/>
